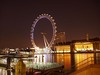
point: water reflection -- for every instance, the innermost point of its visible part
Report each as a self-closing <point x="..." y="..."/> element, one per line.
<point x="68" y="60"/>
<point x="39" y="58"/>
<point x="64" y="59"/>
<point x="97" y="58"/>
<point x="80" y="57"/>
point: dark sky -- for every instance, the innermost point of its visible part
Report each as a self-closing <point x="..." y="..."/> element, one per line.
<point x="75" y="17"/>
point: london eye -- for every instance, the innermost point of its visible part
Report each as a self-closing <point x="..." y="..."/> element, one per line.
<point x="52" y="21"/>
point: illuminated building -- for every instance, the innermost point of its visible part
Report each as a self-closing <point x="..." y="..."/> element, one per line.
<point x="62" y="47"/>
<point x="87" y="45"/>
<point x="84" y="45"/>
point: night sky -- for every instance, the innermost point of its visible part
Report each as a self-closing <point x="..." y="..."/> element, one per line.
<point x="75" y="17"/>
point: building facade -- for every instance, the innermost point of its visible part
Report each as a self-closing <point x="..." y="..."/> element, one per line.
<point x="60" y="38"/>
<point x="83" y="45"/>
<point x="62" y="48"/>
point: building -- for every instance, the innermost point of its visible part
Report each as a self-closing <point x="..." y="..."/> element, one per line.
<point x="62" y="47"/>
<point x="87" y="45"/>
<point x="84" y="45"/>
<point x="60" y="38"/>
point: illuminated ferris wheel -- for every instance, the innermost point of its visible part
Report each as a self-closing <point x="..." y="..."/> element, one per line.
<point x="48" y="17"/>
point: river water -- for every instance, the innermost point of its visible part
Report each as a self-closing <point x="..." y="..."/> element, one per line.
<point x="69" y="60"/>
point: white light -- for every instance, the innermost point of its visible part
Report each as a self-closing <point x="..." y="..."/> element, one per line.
<point x="53" y="20"/>
<point x="32" y="48"/>
<point x="37" y="17"/>
<point x="55" y="26"/>
<point x="54" y="23"/>
<point x="51" y="17"/>
<point x="40" y="15"/>
<point x="55" y="31"/>
<point x="44" y="14"/>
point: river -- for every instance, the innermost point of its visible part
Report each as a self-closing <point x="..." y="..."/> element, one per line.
<point x="69" y="60"/>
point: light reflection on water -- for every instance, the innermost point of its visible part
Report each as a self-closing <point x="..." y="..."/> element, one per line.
<point x="64" y="59"/>
<point x="68" y="60"/>
<point x="80" y="57"/>
<point x="39" y="58"/>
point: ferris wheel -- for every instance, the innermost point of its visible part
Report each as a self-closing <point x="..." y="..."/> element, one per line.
<point x="48" y="17"/>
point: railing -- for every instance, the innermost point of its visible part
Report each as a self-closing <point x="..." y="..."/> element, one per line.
<point x="80" y="65"/>
<point x="84" y="63"/>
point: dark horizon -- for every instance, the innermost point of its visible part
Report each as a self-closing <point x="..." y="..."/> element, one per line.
<point x="75" y="18"/>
